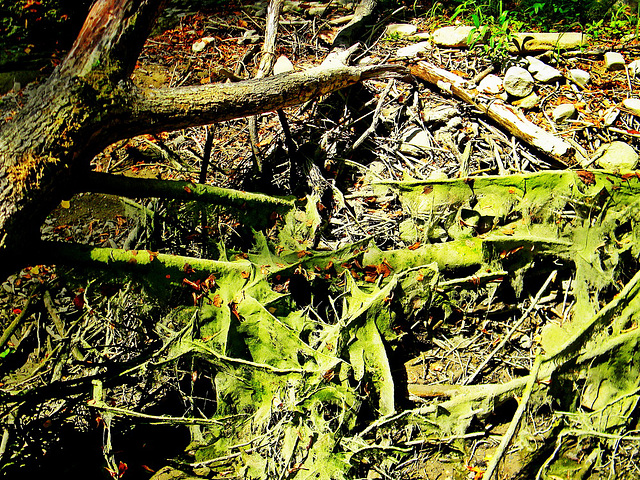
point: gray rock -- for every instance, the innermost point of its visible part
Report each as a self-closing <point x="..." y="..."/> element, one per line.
<point x="632" y="104"/>
<point x="454" y="36"/>
<point x="634" y="68"/>
<point x="413" y="50"/>
<point x="579" y="77"/>
<point x="401" y="29"/>
<point x="614" y="61"/>
<point x="616" y="156"/>
<point x="518" y="82"/>
<point x="542" y="72"/>
<point x="440" y="114"/>
<point x="490" y="84"/>
<point x="201" y="44"/>
<point x="528" y="102"/>
<point x="415" y="140"/>
<point x="563" y="112"/>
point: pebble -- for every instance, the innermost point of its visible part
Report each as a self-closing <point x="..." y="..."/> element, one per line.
<point x="614" y="61"/>
<point x="563" y="112"/>
<point x="616" y="156"/>
<point x="634" y="68"/>
<point x="490" y="84"/>
<point x="632" y="104"/>
<point x="401" y="29"/>
<point x="438" y="174"/>
<point x="452" y="36"/>
<point x="415" y="140"/>
<point x="282" y="65"/>
<point x="413" y="50"/>
<point x="579" y="77"/>
<point x="528" y="102"/>
<point x="542" y="72"/>
<point x="518" y="82"/>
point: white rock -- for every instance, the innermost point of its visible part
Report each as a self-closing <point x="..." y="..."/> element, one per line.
<point x="490" y="84"/>
<point x="528" y="102"/>
<point x="579" y="77"/>
<point x="616" y="156"/>
<point x="453" y="36"/>
<point x="413" y="50"/>
<point x="454" y="123"/>
<point x="610" y="116"/>
<point x="563" y="112"/>
<point x="440" y="114"/>
<point x="201" y="44"/>
<point x="401" y="29"/>
<point x="415" y="140"/>
<point x="249" y="37"/>
<point x="388" y="114"/>
<point x="634" y="68"/>
<point x="438" y="174"/>
<point x="282" y="65"/>
<point x="632" y="104"/>
<point x="518" y="82"/>
<point x="542" y="42"/>
<point x="542" y="72"/>
<point x="614" y="61"/>
<point x="418" y="36"/>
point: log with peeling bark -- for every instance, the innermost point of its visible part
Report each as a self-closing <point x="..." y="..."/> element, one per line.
<point x="509" y="117"/>
<point x="90" y="102"/>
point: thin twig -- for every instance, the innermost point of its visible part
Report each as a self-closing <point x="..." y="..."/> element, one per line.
<point x="513" y="426"/>
<point x="513" y="329"/>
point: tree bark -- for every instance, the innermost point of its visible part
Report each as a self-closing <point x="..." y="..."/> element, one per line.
<point x="90" y="102"/>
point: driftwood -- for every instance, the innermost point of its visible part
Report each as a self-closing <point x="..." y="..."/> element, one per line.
<point x="509" y="117"/>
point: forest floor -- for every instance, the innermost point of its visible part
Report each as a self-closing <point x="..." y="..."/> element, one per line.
<point x="381" y="147"/>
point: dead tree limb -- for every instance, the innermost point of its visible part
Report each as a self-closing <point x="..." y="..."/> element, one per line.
<point x="89" y="102"/>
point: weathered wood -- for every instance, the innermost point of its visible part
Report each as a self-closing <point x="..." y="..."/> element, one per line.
<point x="509" y="117"/>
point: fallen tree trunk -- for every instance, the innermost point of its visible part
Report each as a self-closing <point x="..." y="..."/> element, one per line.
<point x="90" y="102"/>
<point x="511" y="118"/>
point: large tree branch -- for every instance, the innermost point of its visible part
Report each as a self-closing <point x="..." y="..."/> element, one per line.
<point x="112" y="37"/>
<point x="174" y="108"/>
<point x="149" y="187"/>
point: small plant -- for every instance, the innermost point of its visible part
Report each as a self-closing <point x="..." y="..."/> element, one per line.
<point x="493" y="26"/>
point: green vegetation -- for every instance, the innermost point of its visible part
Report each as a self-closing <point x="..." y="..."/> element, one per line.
<point x="30" y="27"/>
<point x="496" y="21"/>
